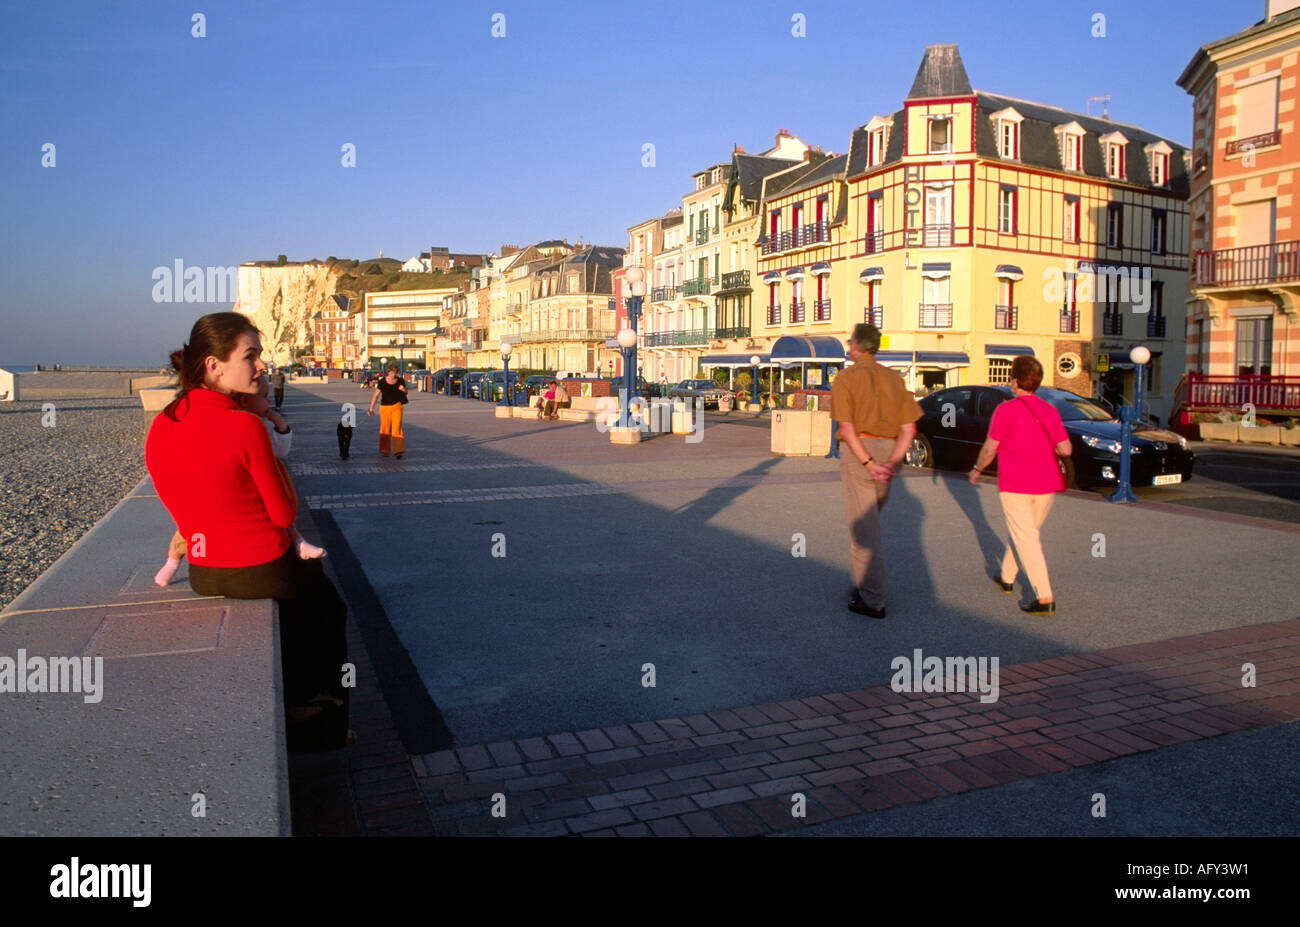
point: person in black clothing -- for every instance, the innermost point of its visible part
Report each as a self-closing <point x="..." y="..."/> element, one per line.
<point x="277" y="383"/>
<point x="390" y="392"/>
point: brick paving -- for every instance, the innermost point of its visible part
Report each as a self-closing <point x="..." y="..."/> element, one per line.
<point x="735" y="772"/>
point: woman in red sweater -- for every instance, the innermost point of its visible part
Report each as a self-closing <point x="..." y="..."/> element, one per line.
<point x="216" y="474"/>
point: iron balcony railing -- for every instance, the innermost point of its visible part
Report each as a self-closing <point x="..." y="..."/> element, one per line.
<point x="1253" y="142"/>
<point x="810" y="234"/>
<point x="737" y="332"/>
<point x="662" y="294"/>
<point x="774" y="314"/>
<point x="1070" y="320"/>
<point x="736" y="280"/>
<point x="702" y="235"/>
<point x="873" y="242"/>
<point x="935" y="315"/>
<point x="796" y="312"/>
<point x="697" y="287"/>
<point x="874" y="315"/>
<point x="1112" y="323"/>
<point x="1155" y="326"/>
<point x="565" y="334"/>
<point x="1264" y="392"/>
<point x="936" y="236"/>
<point x="1005" y="317"/>
<point x="822" y="310"/>
<point x="675" y="338"/>
<point x="1252" y="265"/>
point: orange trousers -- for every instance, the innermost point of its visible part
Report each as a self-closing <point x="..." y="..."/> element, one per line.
<point x="390" y="429"/>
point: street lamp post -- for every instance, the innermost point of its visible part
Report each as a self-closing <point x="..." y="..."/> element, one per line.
<point x="634" y="277"/>
<point x="753" y="362"/>
<point x="1128" y="415"/>
<point x="506" y="348"/>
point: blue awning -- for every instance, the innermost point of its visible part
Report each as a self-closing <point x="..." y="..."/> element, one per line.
<point x="936" y="270"/>
<point x="811" y="348"/>
<point x="773" y="276"/>
<point x="942" y="357"/>
<point x="894" y="357"/>
<point x="872" y="273"/>
<point x="1009" y="272"/>
<point x="1007" y="350"/>
<point x="795" y="273"/>
<point x="821" y="268"/>
<point x="732" y="360"/>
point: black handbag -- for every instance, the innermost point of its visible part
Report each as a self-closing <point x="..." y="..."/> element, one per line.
<point x="1064" y="464"/>
<point x="403" y="395"/>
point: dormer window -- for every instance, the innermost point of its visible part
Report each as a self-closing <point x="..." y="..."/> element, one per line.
<point x="877" y="140"/>
<point x="1159" y="157"/>
<point x="1007" y="122"/>
<point x="940" y="134"/>
<point x="1115" y="147"/>
<point x="1071" y="146"/>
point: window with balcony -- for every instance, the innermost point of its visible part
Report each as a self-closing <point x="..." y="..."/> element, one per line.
<point x="773" y="307"/>
<point x="1158" y="221"/>
<point x="1254" y="356"/>
<point x="1257" y="108"/>
<point x="940" y="134"/>
<point x="1007" y="196"/>
<point x="936" y="305"/>
<point x="796" y="301"/>
<point x="1156" y="313"/>
<point x="874" y="313"/>
<point x="1112" y="316"/>
<point x="938" y="217"/>
<point x="1070" y="225"/>
<point x="1069" y="305"/>
<point x="875" y="239"/>
<point x="822" y="307"/>
<point x="1115" y="225"/>
<point x="1004" y="313"/>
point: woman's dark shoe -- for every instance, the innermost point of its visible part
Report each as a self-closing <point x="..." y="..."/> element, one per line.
<point x="859" y="607"/>
<point x="1039" y="608"/>
<point x="1005" y="587"/>
<point x="398" y="456"/>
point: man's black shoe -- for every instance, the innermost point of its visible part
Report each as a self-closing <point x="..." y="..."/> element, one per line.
<point x="859" y="607"/>
<point x="1005" y="587"/>
<point x="1039" y="608"/>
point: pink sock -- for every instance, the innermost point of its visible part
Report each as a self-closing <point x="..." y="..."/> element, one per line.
<point x="164" y="575"/>
<point x="307" y="550"/>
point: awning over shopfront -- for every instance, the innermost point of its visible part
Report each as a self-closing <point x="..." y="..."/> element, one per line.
<point x="733" y="360"/>
<point x="1007" y="350"/>
<point x="812" y="349"/>
<point x="923" y="358"/>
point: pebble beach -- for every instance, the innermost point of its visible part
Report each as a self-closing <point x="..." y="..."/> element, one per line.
<point x="57" y="481"/>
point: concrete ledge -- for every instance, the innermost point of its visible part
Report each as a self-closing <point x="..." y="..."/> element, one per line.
<point x="619" y="435"/>
<point x="577" y="415"/>
<point x="155" y="400"/>
<point x="190" y="697"/>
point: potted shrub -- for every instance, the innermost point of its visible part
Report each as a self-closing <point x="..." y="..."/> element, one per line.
<point x="1262" y="431"/>
<point x="1220" y="427"/>
<point x="1288" y="433"/>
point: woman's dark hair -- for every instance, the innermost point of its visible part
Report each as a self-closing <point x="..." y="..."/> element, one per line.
<point x="213" y="335"/>
<point x="1027" y="372"/>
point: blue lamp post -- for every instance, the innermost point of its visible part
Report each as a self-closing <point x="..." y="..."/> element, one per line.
<point x="506" y="348"/>
<point x="1128" y="415"/>
<point x="634" y="277"/>
<point x="753" y="362"/>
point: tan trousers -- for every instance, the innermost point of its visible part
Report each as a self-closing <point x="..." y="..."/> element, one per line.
<point x="863" y="500"/>
<point x="1025" y="515"/>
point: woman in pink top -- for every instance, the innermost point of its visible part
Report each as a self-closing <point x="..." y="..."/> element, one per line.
<point x="1027" y="437"/>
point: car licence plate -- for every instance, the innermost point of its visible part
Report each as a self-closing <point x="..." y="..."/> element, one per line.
<point x="1167" y="480"/>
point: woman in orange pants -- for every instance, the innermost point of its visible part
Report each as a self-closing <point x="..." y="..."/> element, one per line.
<point x="390" y="393"/>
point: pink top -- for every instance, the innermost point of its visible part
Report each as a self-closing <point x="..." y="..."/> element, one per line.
<point x="1026" y="449"/>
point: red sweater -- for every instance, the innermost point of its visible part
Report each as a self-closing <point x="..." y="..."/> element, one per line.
<point x="215" y="472"/>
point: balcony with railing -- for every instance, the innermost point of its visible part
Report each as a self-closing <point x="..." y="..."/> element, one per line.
<point x="676" y="338"/>
<point x="1006" y="317"/>
<point x="796" y="312"/>
<point x="774" y="314"/>
<point x="814" y="233"/>
<point x="564" y="334"/>
<point x="702" y="235"/>
<point x="736" y="280"/>
<point x="1253" y="265"/>
<point x="873" y="242"/>
<point x="822" y="310"/>
<point x="936" y="236"/>
<point x="700" y="286"/>
<point x="1070" y="320"/>
<point x="740" y="331"/>
<point x="1112" y="323"/>
<point x="1155" y="326"/>
<point x="935" y="315"/>
<point x="1201" y="392"/>
<point x="1253" y="143"/>
<point x="662" y="294"/>
<point x="874" y="315"/>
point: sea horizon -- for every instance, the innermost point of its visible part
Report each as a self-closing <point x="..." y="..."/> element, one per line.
<point x="31" y="368"/>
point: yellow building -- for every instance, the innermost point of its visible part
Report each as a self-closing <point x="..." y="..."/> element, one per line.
<point x="569" y="314"/>
<point x="981" y="226"/>
<point x="400" y="323"/>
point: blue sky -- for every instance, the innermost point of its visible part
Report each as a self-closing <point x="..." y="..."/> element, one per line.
<point x="227" y="148"/>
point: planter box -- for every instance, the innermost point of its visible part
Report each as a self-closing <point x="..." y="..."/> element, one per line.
<point x="1289" y="437"/>
<point x="1260" y="434"/>
<point x="1219" y="431"/>
<point x="624" y="435"/>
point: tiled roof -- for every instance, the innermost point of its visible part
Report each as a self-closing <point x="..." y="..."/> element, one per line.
<point x="1281" y="21"/>
<point x="753" y="168"/>
<point x="941" y="74"/>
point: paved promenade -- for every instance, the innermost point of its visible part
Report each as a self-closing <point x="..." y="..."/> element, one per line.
<point x="516" y="582"/>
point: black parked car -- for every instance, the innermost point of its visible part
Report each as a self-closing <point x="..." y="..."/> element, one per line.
<point x="956" y="424"/>
<point x="710" y="392"/>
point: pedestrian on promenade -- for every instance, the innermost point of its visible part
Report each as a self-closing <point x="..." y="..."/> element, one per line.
<point x="277" y="380"/>
<point x="561" y="399"/>
<point x="390" y="393"/>
<point x="281" y="439"/>
<point x="215" y="472"/>
<point x="1029" y="441"/>
<point x="546" y="402"/>
<point x="877" y="421"/>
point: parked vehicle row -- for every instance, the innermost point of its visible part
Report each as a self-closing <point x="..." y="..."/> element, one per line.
<point x="956" y="420"/>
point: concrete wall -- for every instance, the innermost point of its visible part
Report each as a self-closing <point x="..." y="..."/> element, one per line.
<point x="69" y="384"/>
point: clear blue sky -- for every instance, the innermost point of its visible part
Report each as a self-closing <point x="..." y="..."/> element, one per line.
<point x="224" y="149"/>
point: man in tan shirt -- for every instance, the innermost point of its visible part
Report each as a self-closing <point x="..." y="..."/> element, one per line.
<point x="877" y="421"/>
